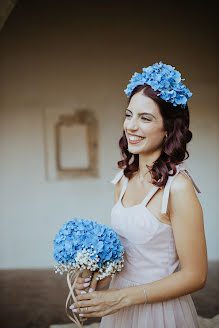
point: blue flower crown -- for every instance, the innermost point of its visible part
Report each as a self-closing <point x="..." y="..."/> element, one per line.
<point x="165" y="79"/>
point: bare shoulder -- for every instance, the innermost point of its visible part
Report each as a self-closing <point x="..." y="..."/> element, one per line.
<point x="181" y="183"/>
<point x="182" y="195"/>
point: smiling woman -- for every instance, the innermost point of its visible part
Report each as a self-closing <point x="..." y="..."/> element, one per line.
<point x="164" y="133"/>
<point x="156" y="214"/>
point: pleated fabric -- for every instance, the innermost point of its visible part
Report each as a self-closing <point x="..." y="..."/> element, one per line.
<point x="179" y="312"/>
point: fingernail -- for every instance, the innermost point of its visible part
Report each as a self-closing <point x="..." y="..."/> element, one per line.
<point x="71" y="306"/>
<point x="81" y="314"/>
<point x="87" y="279"/>
<point x="83" y="292"/>
<point x="90" y="290"/>
<point x="87" y="284"/>
<point x="74" y="310"/>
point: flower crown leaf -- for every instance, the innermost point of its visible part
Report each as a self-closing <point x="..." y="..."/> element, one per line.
<point x="164" y="78"/>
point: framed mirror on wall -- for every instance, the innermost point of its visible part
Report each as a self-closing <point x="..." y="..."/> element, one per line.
<point x="71" y="142"/>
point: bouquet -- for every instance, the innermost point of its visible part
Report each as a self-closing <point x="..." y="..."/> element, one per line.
<point x="85" y="245"/>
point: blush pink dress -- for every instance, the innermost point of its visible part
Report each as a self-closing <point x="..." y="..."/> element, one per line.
<point x="150" y="255"/>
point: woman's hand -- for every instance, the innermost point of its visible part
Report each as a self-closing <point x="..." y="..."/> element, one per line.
<point x="81" y="285"/>
<point x="99" y="303"/>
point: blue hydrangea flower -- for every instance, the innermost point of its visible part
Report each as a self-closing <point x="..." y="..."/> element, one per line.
<point x="77" y="235"/>
<point x="164" y="78"/>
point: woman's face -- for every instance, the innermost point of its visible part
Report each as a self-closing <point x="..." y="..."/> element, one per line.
<point x="143" y="119"/>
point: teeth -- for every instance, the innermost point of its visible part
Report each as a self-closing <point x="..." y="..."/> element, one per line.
<point x="135" y="138"/>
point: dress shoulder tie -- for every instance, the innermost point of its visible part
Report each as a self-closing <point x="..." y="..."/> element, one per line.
<point x="117" y="177"/>
<point x="180" y="168"/>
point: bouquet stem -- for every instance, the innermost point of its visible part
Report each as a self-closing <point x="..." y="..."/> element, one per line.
<point x="72" y="276"/>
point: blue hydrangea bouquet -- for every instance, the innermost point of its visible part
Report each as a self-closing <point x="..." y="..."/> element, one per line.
<point x="85" y="245"/>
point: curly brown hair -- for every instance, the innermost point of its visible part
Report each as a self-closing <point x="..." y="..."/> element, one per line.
<point x="176" y="122"/>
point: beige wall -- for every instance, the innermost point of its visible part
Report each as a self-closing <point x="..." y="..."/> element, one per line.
<point x="60" y="56"/>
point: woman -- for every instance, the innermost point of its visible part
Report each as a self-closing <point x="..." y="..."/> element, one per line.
<point x="156" y="213"/>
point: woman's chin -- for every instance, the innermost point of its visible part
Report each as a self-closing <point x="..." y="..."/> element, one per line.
<point x="137" y="150"/>
<point x="134" y="150"/>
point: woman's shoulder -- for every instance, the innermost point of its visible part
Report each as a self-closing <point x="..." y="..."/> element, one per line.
<point x="119" y="178"/>
<point x="182" y="189"/>
<point x="183" y="180"/>
<point x="185" y="211"/>
<point x="181" y="183"/>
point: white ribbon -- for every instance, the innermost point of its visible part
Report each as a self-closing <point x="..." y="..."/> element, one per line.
<point x="72" y="276"/>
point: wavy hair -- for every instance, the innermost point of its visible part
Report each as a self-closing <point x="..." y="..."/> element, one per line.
<point x="176" y="122"/>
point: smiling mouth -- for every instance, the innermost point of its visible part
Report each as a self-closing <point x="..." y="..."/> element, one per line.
<point x="134" y="139"/>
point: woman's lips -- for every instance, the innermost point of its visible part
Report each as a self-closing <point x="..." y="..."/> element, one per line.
<point x="135" y="141"/>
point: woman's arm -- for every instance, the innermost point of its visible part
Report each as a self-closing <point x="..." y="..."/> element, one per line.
<point x="186" y="216"/>
<point x="175" y="285"/>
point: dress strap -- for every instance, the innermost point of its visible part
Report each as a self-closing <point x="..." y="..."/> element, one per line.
<point x="124" y="188"/>
<point x="180" y="168"/>
<point x="150" y="195"/>
<point x="117" y="178"/>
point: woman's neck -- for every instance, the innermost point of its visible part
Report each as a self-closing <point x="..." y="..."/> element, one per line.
<point x="146" y="159"/>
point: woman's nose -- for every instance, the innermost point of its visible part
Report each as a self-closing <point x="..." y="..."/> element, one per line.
<point x="132" y="124"/>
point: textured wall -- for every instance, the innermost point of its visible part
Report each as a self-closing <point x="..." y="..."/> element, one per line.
<point x="63" y="55"/>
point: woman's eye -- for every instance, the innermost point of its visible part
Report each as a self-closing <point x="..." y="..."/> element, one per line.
<point x="145" y="118"/>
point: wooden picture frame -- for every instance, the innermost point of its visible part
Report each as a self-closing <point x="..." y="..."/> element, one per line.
<point x="85" y="119"/>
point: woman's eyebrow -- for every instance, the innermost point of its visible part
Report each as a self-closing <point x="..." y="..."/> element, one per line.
<point x="142" y="113"/>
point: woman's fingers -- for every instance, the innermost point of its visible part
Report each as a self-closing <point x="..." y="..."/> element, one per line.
<point x="81" y="280"/>
<point x="82" y="284"/>
<point x="94" y="281"/>
<point x="77" y="291"/>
